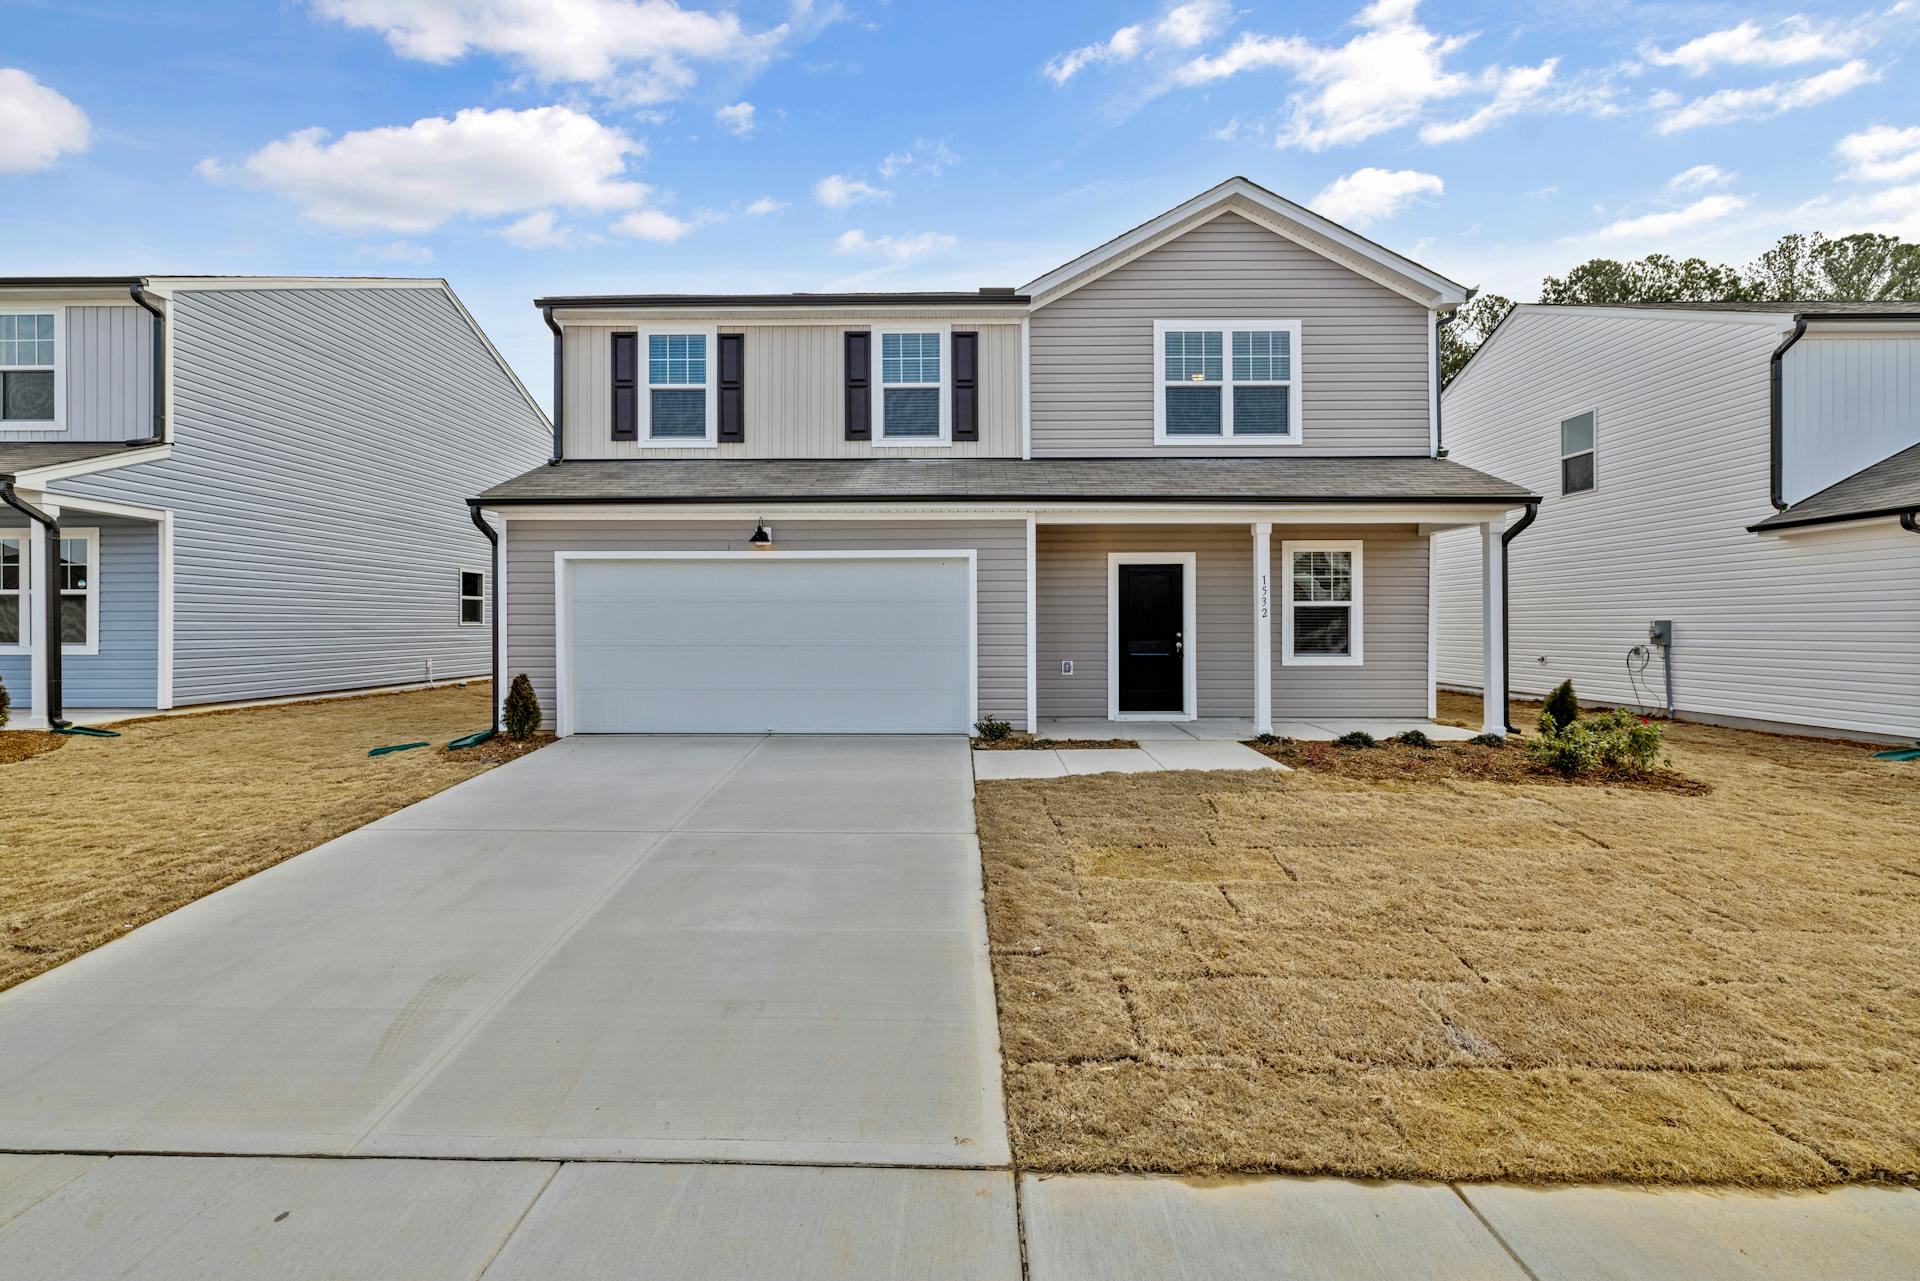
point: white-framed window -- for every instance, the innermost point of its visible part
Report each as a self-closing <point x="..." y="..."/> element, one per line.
<point x="30" y="390"/>
<point x="13" y="591"/>
<point x="911" y="402"/>
<point x="1577" y="453"/>
<point x="1321" y="603"/>
<point x="473" y="597"/>
<point x="1226" y="382"/>
<point x="678" y="406"/>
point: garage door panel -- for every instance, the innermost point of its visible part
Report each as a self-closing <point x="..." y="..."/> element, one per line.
<point x="867" y="645"/>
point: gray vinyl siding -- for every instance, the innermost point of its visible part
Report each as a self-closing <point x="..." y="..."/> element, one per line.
<point x="107" y="364"/>
<point x="1846" y="403"/>
<point x="1072" y="574"/>
<point x="123" y="673"/>
<point x="1001" y="582"/>
<point x="1364" y="348"/>
<point x="324" y="443"/>
<point x="1814" y="629"/>
<point x="795" y="396"/>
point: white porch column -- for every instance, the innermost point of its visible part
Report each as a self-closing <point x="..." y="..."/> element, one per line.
<point x="1493" y="649"/>
<point x="1033" y="629"/>
<point x="1263" y="628"/>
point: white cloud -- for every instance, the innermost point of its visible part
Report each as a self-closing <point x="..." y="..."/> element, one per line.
<point x="1762" y="101"/>
<point x="637" y="48"/>
<point x="480" y="164"/>
<point x="1881" y="154"/>
<point x="837" y="191"/>
<point x="1382" y="79"/>
<point x="1707" y="209"/>
<point x="1183" y="26"/>
<point x="654" y="224"/>
<point x="737" y="118"/>
<point x="1369" y="195"/>
<point x="1751" y="45"/>
<point x="1699" y="178"/>
<point x="37" y="125"/>
<point x="1891" y="211"/>
<point x="764" y="206"/>
<point x="897" y="248"/>
<point x="925" y="156"/>
<point x="540" y="229"/>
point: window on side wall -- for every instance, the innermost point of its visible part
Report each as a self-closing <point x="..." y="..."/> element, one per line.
<point x="678" y="400"/>
<point x="1576" y="453"/>
<point x="28" y="359"/>
<point x="13" y="591"/>
<point x="1321" y="603"/>
<point x="1226" y="382"/>
<point x="79" y="601"/>
<point x="473" y="597"/>
<point x="911" y="387"/>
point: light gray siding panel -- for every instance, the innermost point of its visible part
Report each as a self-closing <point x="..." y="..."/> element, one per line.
<point x="795" y="397"/>
<point x="1072" y="572"/>
<point x="324" y="443"/>
<point x="107" y="362"/>
<point x="1002" y="568"/>
<point x="1365" y="386"/>
<point x="1846" y="403"/>
<point x="123" y="673"/>
<point x="1812" y="629"/>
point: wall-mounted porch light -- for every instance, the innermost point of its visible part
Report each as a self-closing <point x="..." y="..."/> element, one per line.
<point x="762" y="539"/>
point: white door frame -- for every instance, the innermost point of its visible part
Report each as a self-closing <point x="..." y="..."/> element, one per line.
<point x="1190" y="639"/>
<point x="563" y="606"/>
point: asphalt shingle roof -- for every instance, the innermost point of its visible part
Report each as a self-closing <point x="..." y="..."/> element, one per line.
<point x="1887" y="488"/>
<point x="1120" y="480"/>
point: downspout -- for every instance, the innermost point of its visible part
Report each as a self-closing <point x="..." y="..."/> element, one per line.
<point x="559" y="387"/>
<point x="1777" y="475"/>
<point x="1910" y="521"/>
<point x="1506" y="614"/>
<point x="1439" y="387"/>
<point x="49" y="594"/>
<point x="159" y="436"/>
<point x="493" y="590"/>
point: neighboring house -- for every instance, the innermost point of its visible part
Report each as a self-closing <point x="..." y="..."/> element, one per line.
<point x="1742" y="472"/>
<point x="1188" y="474"/>
<point x="258" y="486"/>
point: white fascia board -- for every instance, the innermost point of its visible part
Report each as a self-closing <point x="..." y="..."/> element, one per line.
<point x="1763" y="319"/>
<point x="166" y="286"/>
<point x="850" y="318"/>
<point x="1439" y="515"/>
<point x="40" y="477"/>
<point x="1271" y="211"/>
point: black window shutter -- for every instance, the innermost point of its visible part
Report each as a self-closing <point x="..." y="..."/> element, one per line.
<point x="733" y="378"/>
<point x="966" y="386"/>
<point x="626" y="398"/>
<point x="859" y="347"/>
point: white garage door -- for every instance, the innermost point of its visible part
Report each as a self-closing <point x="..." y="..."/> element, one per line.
<point x="770" y="642"/>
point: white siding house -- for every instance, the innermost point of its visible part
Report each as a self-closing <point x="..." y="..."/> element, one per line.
<point x="1809" y="622"/>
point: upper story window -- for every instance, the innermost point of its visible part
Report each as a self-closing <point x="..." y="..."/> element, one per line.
<point x="1576" y="454"/>
<point x="1320" y="605"/>
<point x="677" y="387"/>
<point x="911" y="386"/>
<point x="1226" y="381"/>
<point x="28" y="360"/>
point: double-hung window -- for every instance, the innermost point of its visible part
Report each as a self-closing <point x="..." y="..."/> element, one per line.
<point x="680" y="404"/>
<point x="77" y="593"/>
<point x="79" y="619"/>
<point x="910" y="387"/>
<point x="1321" y="603"/>
<point x="1226" y="382"/>
<point x="13" y="591"/>
<point x="473" y="597"/>
<point x="29" y="359"/>
<point x="1576" y="454"/>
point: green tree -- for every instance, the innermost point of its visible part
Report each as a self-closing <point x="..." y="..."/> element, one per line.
<point x="520" y="714"/>
<point x="1472" y="325"/>
<point x="1655" y="278"/>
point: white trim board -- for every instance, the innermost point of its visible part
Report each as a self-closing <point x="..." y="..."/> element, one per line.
<point x="1436" y="515"/>
<point x="563" y="605"/>
<point x="1190" y="639"/>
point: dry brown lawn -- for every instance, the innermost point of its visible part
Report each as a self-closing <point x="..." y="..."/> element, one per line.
<point x="109" y="833"/>
<point x="1467" y="979"/>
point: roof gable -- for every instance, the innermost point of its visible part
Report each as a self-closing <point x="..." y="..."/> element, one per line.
<point x="1274" y="213"/>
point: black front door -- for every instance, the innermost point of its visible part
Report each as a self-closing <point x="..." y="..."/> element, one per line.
<point x="1152" y="649"/>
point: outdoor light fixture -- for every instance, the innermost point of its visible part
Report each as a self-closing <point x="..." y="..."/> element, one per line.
<point x="762" y="539"/>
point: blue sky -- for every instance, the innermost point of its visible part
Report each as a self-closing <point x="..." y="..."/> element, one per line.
<point x="519" y="148"/>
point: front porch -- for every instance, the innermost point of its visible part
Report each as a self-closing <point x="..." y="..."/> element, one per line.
<point x="1230" y="730"/>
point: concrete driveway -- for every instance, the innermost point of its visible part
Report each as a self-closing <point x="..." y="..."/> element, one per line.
<point x="738" y="949"/>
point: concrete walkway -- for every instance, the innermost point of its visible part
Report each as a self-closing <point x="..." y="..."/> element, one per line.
<point x="1152" y="756"/>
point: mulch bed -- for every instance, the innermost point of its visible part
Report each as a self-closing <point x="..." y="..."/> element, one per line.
<point x="1399" y="762"/>
<point x="25" y="745"/>
<point x="499" y="749"/>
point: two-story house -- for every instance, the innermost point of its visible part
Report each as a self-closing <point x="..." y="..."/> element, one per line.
<point x="1189" y="474"/>
<point x="224" y="488"/>
<point x="1729" y="527"/>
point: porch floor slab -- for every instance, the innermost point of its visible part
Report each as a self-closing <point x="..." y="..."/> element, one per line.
<point x="1228" y="729"/>
<point x="1153" y="756"/>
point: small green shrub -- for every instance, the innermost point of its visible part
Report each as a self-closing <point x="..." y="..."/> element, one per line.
<point x="1618" y="740"/>
<point x="1488" y="740"/>
<point x="521" y="714"/>
<point x="1356" y="738"/>
<point x="1570" y="749"/>
<point x="1411" y="738"/>
<point x="1268" y="740"/>
<point x="1563" y="704"/>
<point x="993" y="729"/>
<point x="6" y="702"/>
